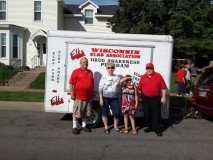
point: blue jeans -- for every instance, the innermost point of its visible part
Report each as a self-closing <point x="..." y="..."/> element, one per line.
<point x="114" y="106"/>
<point x="180" y="88"/>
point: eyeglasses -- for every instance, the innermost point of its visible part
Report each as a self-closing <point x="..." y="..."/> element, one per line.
<point x="110" y="67"/>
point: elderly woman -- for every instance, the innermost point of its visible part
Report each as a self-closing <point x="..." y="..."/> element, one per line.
<point x="109" y="90"/>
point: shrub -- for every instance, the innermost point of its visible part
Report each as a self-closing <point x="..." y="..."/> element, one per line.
<point x="2" y="64"/>
<point x="24" y="68"/>
<point x="8" y="67"/>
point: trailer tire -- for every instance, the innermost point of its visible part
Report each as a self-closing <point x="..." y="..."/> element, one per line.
<point x="95" y="118"/>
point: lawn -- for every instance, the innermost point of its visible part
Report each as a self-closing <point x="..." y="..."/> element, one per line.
<point x="39" y="82"/>
<point x="22" y="96"/>
<point x="173" y="87"/>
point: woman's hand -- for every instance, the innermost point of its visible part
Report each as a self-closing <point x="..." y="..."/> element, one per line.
<point x="101" y="102"/>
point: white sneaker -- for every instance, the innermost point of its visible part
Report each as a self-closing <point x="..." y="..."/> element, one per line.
<point x="190" y="93"/>
<point x="187" y="94"/>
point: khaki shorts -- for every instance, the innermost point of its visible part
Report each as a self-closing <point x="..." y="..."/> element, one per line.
<point x="82" y="108"/>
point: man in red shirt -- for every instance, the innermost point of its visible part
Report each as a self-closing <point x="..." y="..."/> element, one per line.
<point x="81" y="88"/>
<point x="153" y="92"/>
<point x="180" y="78"/>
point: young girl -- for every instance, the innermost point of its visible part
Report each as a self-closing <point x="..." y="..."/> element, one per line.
<point x="129" y="102"/>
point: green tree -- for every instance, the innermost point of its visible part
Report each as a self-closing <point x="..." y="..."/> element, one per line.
<point x="189" y="22"/>
<point x="191" y="25"/>
<point x="141" y="16"/>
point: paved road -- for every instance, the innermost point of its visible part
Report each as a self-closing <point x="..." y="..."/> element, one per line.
<point x="36" y="135"/>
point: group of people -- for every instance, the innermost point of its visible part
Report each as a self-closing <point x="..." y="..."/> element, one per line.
<point x="151" y="90"/>
<point x="186" y="78"/>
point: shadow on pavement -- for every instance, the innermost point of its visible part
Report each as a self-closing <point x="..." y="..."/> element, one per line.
<point x="176" y="116"/>
<point x="67" y="117"/>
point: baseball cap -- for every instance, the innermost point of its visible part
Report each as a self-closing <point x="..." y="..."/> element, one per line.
<point x="150" y="65"/>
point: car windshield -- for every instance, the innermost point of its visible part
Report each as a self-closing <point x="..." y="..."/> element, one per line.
<point x="207" y="77"/>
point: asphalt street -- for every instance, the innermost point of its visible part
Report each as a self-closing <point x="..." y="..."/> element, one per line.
<point x="37" y="135"/>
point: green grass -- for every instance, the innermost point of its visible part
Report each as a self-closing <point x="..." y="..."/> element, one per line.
<point x="173" y="85"/>
<point x="39" y="82"/>
<point x="22" y="96"/>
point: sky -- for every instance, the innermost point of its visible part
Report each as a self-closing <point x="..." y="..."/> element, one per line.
<point x="98" y="2"/>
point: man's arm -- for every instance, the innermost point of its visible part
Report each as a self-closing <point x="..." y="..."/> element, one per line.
<point x="206" y="67"/>
<point x="163" y="98"/>
<point x="72" y="90"/>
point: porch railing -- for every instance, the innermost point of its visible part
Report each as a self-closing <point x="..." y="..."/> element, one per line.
<point x="35" y="61"/>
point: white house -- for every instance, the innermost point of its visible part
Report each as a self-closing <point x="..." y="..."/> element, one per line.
<point x="24" y="25"/>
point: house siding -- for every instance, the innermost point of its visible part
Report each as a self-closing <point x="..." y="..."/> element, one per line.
<point x="77" y="23"/>
<point x="21" y="13"/>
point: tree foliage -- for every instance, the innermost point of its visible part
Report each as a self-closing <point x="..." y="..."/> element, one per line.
<point x="189" y="22"/>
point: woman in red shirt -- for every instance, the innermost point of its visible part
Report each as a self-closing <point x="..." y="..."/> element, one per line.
<point x="180" y="79"/>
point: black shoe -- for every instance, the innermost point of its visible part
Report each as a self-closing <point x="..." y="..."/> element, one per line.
<point x="159" y="133"/>
<point x="75" y="131"/>
<point x="86" y="129"/>
<point x="148" y="130"/>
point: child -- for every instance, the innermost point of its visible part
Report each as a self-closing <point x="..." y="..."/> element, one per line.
<point x="129" y="102"/>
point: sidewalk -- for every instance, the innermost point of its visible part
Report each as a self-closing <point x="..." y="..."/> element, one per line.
<point x="19" y="89"/>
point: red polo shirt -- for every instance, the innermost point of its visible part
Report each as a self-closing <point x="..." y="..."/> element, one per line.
<point x="180" y="75"/>
<point x="84" y="83"/>
<point x="151" y="86"/>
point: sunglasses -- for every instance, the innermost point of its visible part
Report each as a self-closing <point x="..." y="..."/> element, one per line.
<point x="110" y="67"/>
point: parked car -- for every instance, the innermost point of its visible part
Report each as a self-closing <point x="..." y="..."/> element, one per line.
<point x="202" y="99"/>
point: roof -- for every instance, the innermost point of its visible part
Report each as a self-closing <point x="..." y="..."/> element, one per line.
<point x="107" y="10"/>
<point x="11" y="26"/>
<point x="102" y="10"/>
<point x="39" y="33"/>
<point x="81" y="6"/>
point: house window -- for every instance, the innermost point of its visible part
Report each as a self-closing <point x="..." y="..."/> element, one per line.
<point x="88" y="16"/>
<point x="37" y="10"/>
<point x="15" y="46"/>
<point x="2" y="10"/>
<point x="3" y="44"/>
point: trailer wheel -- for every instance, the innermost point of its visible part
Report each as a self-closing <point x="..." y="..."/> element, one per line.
<point x="95" y="118"/>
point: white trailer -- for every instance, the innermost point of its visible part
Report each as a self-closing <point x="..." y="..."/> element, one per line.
<point x="129" y="52"/>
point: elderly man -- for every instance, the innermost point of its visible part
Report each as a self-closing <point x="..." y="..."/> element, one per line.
<point x="81" y="88"/>
<point x="153" y="92"/>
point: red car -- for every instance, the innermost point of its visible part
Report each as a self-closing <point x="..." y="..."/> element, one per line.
<point x="202" y="99"/>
